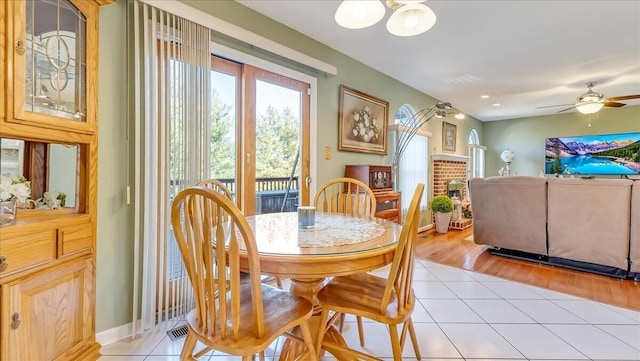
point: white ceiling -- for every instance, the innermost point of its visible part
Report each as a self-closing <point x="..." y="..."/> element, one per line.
<point x="523" y="54"/>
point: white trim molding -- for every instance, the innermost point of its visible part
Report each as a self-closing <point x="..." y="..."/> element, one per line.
<point x="476" y="146"/>
<point x="450" y="157"/>
<point x="402" y="128"/>
<point x="236" y="32"/>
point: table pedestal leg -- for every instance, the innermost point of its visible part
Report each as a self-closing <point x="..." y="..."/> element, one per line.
<point x="309" y="288"/>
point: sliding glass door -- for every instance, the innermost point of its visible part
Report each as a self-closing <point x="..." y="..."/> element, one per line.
<point x="276" y="159"/>
<point x="260" y="136"/>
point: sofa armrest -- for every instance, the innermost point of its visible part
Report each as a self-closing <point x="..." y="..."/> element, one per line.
<point x="634" y="244"/>
<point x="510" y="212"/>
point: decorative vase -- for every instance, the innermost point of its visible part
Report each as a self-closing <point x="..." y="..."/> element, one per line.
<point x="442" y="221"/>
<point x="8" y="212"/>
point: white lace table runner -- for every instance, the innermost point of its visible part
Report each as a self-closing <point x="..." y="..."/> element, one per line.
<point x="329" y="230"/>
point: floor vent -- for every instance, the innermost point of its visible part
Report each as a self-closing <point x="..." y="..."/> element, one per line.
<point x="177" y="333"/>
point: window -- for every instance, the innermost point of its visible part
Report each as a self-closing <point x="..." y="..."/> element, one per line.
<point x="475" y="151"/>
<point x="413" y="165"/>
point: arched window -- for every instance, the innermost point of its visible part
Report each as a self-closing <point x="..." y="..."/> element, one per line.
<point x="475" y="151"/>
<point x="413" y="167"/>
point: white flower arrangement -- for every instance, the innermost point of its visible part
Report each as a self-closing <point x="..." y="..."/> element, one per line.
<point x="14" y="187"/>
<point x="364" y="125"/>
<point x="51" y="200"/>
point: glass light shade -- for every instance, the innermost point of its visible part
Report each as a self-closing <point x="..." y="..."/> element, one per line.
<point x="411" y="19"/>
<point x="358" y="14"/>
<point x="589" y="108"/>
<point x="507" y="155"/>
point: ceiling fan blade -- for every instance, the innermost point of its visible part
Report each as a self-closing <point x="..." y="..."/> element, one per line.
<point x="613" y="104"/>
<point x="624" y="97"/>
<point x="551" y="106"/>
<point x="564" y="110"/>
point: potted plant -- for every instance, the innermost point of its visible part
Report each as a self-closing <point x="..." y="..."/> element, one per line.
<point x="442" y="206"/>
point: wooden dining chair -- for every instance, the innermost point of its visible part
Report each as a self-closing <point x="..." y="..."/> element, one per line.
<point x="243" y="321"/>
<point x="217" y="186"/>
<point x="351" y="197"/>
<point x="221" y="188"/>
<point x="386" y="300"/>
<point x="347" y="196"/>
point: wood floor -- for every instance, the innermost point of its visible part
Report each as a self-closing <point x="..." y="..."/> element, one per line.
<point x="453" y="250"/>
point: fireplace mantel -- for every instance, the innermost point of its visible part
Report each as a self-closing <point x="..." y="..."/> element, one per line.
<point x="449" y="157"/>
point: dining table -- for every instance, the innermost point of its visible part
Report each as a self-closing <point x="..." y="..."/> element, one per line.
<point x="336" y="245"/>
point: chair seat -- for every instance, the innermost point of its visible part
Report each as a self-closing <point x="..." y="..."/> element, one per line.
<point x="282" y="311"/>
<point x="361" y="294"/>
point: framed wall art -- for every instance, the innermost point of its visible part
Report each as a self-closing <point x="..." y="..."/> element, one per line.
<point x="448" y="137"/>
<point x="362" y="122"/>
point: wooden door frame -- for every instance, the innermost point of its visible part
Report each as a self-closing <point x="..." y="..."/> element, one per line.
<point x="250" y="75"/>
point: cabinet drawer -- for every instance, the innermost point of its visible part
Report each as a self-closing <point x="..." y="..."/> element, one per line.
<point x="28" y="250"/>
<point x="72" y="239"/>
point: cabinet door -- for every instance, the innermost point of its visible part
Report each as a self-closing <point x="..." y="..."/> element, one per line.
<point x="3" y="49"/>
<point x="52" y="52"/>
<point x="48" y="315"/>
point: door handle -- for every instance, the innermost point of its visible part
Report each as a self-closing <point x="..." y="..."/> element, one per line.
<point x="16" y="321"/>
<point x="308" y="180"/>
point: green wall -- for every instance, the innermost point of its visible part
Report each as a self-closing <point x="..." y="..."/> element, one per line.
<point x="526" y="136"/>
<point x="114" y="268"/>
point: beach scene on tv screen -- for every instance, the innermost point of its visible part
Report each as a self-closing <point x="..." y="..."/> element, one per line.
<point x="614" y="154"/>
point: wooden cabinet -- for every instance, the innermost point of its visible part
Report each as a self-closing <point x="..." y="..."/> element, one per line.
<point x="53" y="310"/>
<point x="48" y="111"/>
<point x="53" y="66"/>
<point x="379" y="179"/>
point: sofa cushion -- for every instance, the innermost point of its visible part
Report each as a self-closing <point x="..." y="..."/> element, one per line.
<point x="510" y="212"/>
<point x="589" y="220"/>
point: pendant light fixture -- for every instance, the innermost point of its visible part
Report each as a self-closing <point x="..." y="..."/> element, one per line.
<point x="359" y="14"/>
<point x="409" y="17"/>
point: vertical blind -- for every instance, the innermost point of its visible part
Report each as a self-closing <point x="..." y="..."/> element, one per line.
<point x="413" y="169"/>
<point x="172" y="72"/>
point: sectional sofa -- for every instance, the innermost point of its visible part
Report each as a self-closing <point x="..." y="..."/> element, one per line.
<point x="586" y="224"/>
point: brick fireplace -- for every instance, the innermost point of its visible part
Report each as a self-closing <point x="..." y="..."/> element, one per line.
<point x="447" y="167"/>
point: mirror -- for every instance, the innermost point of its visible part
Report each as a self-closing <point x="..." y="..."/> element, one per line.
<point x="50" y="167"/>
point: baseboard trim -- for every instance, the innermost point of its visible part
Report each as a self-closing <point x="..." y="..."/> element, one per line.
<point x="115" y="334"/>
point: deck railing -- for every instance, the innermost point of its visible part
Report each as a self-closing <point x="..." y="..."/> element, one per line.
<point x="264" y="184"/>
<point x="270" y="193"/>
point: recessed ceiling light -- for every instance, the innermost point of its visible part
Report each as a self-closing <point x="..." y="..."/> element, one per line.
<point x="496" y="104"/>
<point x="459" y="116"/>
<point x="484" y="96"/>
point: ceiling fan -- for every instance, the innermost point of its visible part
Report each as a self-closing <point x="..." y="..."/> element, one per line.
<point x="592" y="101"/>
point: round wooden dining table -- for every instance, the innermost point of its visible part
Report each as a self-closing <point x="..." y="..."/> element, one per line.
<point x="337" y="245"/>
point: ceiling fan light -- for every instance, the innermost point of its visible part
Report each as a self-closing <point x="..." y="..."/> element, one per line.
<point x="589" y="107"/>
<point x="358" y="14"/>
<point x="411" y="19"/>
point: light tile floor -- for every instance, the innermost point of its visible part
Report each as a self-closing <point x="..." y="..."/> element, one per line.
<point x="462" y="315"/>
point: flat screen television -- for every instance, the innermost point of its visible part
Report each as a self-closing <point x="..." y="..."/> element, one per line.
<point x="604" y="154"/>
